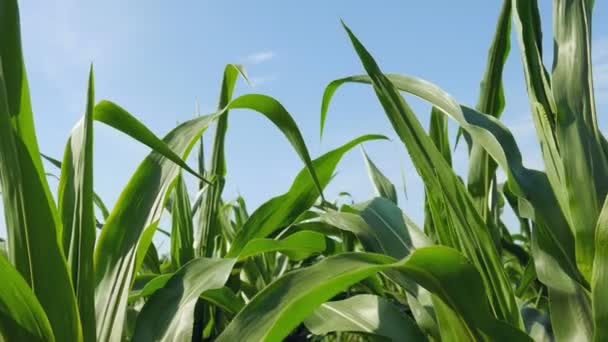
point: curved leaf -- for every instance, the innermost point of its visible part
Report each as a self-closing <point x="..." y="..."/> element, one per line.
<point x="281" y="306"/>
<point x="21" y="316"/>
<point x="169" y="313"/>
<point x="364" y="313"/>
<point x="297" y="246"/>
<point x="139" y="208"/>
<point x="474" y="238"/>
<point x="283" y="210"/>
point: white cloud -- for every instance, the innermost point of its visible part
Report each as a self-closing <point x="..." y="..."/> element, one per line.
<point x="261" y="80"/>
<point x="260" y="57"/>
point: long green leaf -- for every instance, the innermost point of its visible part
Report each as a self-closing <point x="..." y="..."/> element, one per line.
<point x="182" y="240"/>
<point x="297" y="246"/>
<point x="283" y="210"/>
<point x="582" y="156"/>
<point x="364" y="313"/>
<point x="168" y="314"/>
<point x="32" y="222"/>
<point x="281" y="306"/>
<point x="21" y="316"/>
<point x="476" y="242"/>
<point x="491" y="101"/>
<point x="75" y="198"/>
<point x="139" y="208"/>
<point x="208" y="227"/>
<point x="118" y="118"/>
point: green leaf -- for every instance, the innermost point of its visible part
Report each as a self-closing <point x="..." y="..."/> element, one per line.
<point x="118" y="118"/>
<point x="75" y="199"/>
<point x="224" y="298"/>
<point x="482" y="169"/>
<point x="32" y="223"/>
<point x="281" y="306"/>
<point x="382" y="185"/>
<point x="182" y="240"/>
<point x="584" y="161"/>
<point x="208" y="228"/>
<point x="283" y="210"/>
<point x="21" y="316"/>
<point x="599" y="279"/>
<point x="139" y="208"/>
<point x="168" y="314"/>
<point x="364" y="313"/>
<point x="438" y="177"/>
<point x="297" y="246"/>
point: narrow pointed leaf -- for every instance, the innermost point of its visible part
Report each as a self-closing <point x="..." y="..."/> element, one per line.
<point x="75" y="197"/>
<point x="438" y="177"/>
<point x="182" y="240"/>
<point x="32" y="223"/>
<point x="382" y="184"/>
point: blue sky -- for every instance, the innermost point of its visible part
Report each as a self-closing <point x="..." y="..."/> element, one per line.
<point x="156" y="58"/>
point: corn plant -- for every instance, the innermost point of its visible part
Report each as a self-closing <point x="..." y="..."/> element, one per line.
<point x="304" y="267"/>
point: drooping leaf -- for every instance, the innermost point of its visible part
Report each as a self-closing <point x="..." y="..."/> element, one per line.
<point x="475" y="240"/>
<point x="281" y="306"/>
<point x="283" y="210"/>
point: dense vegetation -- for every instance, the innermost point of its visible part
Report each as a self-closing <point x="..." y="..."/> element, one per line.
<point x="301" y="267"/>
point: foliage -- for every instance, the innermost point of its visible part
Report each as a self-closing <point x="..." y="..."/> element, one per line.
<point x="301" y="267"/>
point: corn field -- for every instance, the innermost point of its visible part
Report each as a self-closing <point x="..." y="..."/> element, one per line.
<point x="304" y="267"/>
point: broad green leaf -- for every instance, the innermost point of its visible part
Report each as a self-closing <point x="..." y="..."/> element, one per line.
<point x="582" y="156"/>
<point x="283" y="210"/>
<point x="21" y="316"/>
<point x="32" y="223"/>
<point x="169" y="313"/>
<point x="277" y="309"/>
<point x="527" y="21"/>
<point x="382" y="185"/>
<point x="599" y="279"/>
<point x="208" y="227"/>
<point x="297" y="246"/>
<point x="139" y="208"/>
<point x="475" y="240"/>
<point x="364" y="313"/>
<point x="182" y="240"/>
<point x="75" y="199"/>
